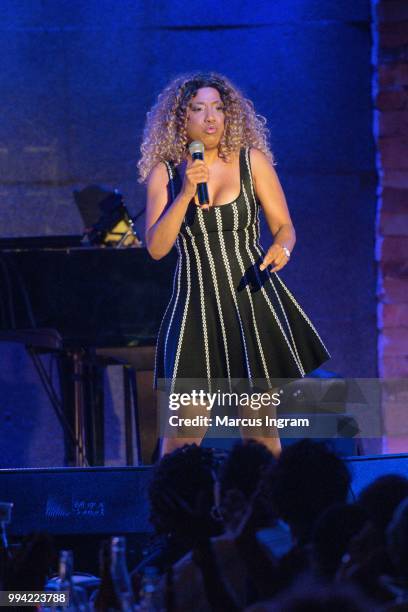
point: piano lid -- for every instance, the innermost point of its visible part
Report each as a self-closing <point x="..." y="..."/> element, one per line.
<point x="94" y="297"/>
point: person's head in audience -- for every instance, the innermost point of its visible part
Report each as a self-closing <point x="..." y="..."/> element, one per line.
<point x="332" y="534"/>
<point x="380" y="499"/>
<point x="397" y="540"/>
<point x="239" y="480"/>
<point x="368" y="561"/>
<point x="309" y="478"/>
<point x="181" y="494"/>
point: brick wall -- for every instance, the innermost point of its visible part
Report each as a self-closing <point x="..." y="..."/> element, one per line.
<point x="390" y="59"/>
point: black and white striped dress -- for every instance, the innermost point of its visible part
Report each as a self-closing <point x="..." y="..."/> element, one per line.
<point x="227" y="319"/>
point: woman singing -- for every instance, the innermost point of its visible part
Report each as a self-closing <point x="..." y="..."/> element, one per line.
<point x="230" y="316"/>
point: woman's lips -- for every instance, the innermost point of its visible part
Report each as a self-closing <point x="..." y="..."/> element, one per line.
<point x="210" y="130"/>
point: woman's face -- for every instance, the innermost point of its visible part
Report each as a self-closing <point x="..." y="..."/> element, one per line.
<point x="205" y="117"/>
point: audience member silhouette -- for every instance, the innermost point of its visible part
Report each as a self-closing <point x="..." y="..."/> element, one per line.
<point x="181" y="496"/>
<point x="380" y="499"/>
<point x="397" y="548"/>
<point x="238" y="480"/>
<point x="368" y="559"/>
<point x="309" y="478"/>
<point x="397" y="540"/>
<point x="218" y="570"/>
<point x="332" y="535"/>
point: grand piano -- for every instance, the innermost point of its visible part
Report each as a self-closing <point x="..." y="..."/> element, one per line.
<point x="88" y="305"/>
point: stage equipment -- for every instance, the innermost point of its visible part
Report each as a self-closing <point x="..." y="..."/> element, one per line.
<point x="107" y="220"/>
<point x="71" y="302"/>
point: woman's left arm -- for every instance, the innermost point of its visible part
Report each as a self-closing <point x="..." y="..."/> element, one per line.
<point x="270" y="194"/>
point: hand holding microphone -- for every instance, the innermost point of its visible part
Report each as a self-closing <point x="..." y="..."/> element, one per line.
<point x="197" y="174"/>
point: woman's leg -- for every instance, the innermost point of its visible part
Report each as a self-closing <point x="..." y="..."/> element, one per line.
<point x="267" y="434"/>
<point x="176" y="436"/>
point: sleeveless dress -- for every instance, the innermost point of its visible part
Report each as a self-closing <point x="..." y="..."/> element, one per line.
<point x="226" y="319"/>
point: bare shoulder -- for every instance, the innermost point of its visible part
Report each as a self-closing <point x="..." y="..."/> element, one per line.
<point x="258" y="159"/>
<point x="157" y="193"/>
<point x="261" y="166"/>
<point x="158" y="175"/>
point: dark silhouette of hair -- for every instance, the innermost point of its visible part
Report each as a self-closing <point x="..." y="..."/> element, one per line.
<point x="381" y="498"/>
<point x="309" y="478"/>
<point x="181" y="493"/>
<point x="332" y="534"/>
<point x="240" y="478"/>
<point x="243" y="467"/>
<point x="397" y="539"/>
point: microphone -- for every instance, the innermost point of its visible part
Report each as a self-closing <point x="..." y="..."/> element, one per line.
<point x="196" y="149"/>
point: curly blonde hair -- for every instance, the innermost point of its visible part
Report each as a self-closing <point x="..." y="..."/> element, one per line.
<point x="165" y="133"/>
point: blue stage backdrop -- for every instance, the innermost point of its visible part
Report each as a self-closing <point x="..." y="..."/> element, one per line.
<point x="77" y="79"/>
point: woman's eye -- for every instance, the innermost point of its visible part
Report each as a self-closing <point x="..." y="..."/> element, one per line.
<point x="196" y="109"/>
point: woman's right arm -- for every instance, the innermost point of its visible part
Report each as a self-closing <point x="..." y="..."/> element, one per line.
<point x="162" y="228"/>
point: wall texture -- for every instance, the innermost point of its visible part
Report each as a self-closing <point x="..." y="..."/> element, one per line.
<point x="77" y="79"/>
<point x="391" y="123"/>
